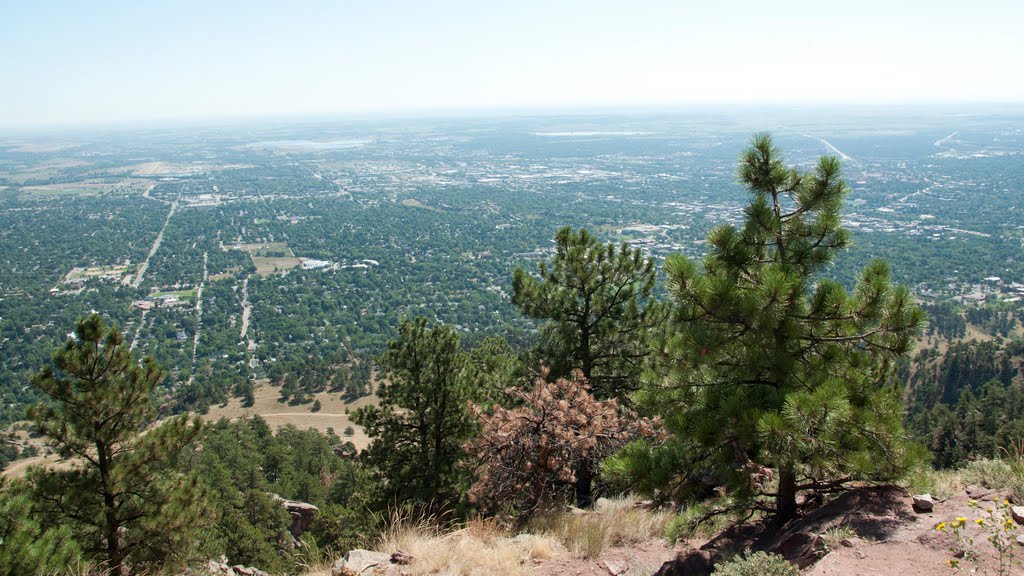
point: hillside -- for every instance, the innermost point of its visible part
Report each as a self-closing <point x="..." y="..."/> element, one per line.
<point x="869" y="531"/>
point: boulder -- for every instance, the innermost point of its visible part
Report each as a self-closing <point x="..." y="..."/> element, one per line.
<point x="1018" y="514"/>
<point x="923" y="503"/>
<point x="801" y="548"/>
<point x="644" y="505"/>
<point x="361" y="563"/>
<point x="978" y="492"/>
<point x="695" y="563"/>
<point x="401" y="558"/>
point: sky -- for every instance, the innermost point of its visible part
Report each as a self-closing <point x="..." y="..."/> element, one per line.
<point x="98" y="62"/>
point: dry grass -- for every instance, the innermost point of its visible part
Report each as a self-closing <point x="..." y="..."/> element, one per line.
<point x="484" y="547"/>
<point x="479" y="547"/>
<point x="267" y="265"/>
<point x="617" y="522"/>
<point x="941" y="484"/>
<point x="331" y="415"/>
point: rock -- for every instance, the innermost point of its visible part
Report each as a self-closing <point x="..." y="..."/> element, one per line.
<point x="801" y="548"/>
<point x="602" y="504"/>
<point x="978" y="492"/>
<point x="402" y="558"/>
<point x="923" y="503"/>
<point x="1018" y="514"/>
<point x="644" y="505"/>
<point x="222" y="568"/>
<point x="1020" y="540"/>
<point x="937" y="540"/>
<point x="302" y="515"/>
<point x="360" y="563"/>
<point x="613" y="568"/>
<point x="695" y="563"/>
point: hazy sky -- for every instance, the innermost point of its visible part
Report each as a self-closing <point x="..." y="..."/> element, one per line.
<point x="98" y="62"/>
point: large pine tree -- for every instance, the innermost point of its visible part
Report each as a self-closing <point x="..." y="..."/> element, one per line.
<point x="767" y="362"/>
<point x="127" y="506"/>
<point x="596" y="302"/>
<point x="423" y="418"/>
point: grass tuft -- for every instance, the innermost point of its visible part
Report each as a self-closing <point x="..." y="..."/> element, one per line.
<point x="618" y="522"/>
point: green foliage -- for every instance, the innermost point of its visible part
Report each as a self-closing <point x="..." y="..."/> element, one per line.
<point x="757" y="564"/>
<point x="244" y="464"/>
<point x="984" y="420"/>
<point x="124" y="505"/>
<point x="997" y="474"/>
<point x="28" y="548"/>
<point x="702" y="519"/>
<point x="596" y="301"/>
<point x="341" y="528"/>
<point x="422" y="421"/>
<point x="766" y="363"/>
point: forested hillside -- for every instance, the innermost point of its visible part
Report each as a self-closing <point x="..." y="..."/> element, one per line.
<point x="735" y="378"/>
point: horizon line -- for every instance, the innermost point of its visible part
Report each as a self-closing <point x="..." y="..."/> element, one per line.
<point x="441" y="113"/>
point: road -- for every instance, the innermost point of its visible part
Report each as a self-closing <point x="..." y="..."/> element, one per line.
<point x="156" y="243"/>
<point x="199" y="316"/>
<point x="842" y="155"/>
<point x="939" y="143"/>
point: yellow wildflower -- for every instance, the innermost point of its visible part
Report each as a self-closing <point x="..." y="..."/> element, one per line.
<point x="940" y="526"/>
<point x="980" y="521"/>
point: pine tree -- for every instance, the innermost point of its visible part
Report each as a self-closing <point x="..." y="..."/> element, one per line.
<point x="127" y="506"/>
<point x="767" y="362"/>
<point x="28" y="548"/>
<point x="423" y="420"/>
<point x="596" y="300"/>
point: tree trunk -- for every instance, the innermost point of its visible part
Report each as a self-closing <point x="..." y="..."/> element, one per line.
<point x="586" y="362"/>
<point x="785" y="502"/>
<point x="584" y="483"/>
<point x="111" y="526"/>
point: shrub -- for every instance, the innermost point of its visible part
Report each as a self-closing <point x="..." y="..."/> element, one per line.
<point x="757" y="564"/>
<point x="993" y="474"/>
<point x="530" y="455"/>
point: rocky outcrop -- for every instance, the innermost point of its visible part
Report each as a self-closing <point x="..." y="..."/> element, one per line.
<point x="302" y="515"/>
<point x="362" y="563"/>
<point x="221" y="568"/>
